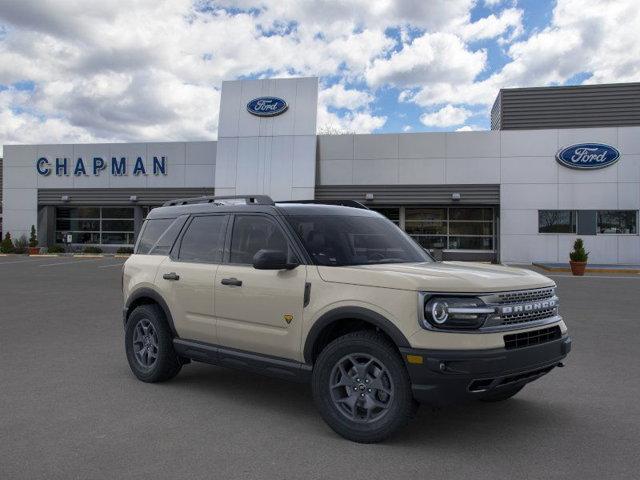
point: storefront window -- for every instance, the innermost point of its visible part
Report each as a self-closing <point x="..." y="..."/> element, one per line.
<point x="454" y="228"/>
<point x="556" y="221"/>
<point x="618" y="221"/>
<point x="392" y="214"/>
<point x="95" y="225"/>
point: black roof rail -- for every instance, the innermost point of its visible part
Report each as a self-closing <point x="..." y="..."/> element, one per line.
<point x="342" y="203"/>
<point x="249" y="199"/>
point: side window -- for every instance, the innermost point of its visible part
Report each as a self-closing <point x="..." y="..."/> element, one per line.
<point x="151" y="232"/>
<point x="252" y="233"/>
<point x="203" y="241"/>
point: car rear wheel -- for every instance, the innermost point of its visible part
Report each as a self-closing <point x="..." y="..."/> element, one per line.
<point x="149" y="345"/>
<point x="362" y="388"/>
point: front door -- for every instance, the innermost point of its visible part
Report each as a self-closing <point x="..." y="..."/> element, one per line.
<point x="187" y="277"/>
<point x="259" y="310"/>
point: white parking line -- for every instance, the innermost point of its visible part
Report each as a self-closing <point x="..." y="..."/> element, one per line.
<point x="22" y="261"/>
<point x="69" y="263"/>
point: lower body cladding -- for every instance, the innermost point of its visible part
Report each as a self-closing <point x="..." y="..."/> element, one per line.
<point x="441" y="377"/>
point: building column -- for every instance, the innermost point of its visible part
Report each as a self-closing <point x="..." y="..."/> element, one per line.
<point x="138" y="218"/>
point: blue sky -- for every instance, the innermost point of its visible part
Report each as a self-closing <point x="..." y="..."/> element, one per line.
<point x="77" y="71"/>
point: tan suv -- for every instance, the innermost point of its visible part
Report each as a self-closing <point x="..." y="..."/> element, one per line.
<point x="337" y="296"/>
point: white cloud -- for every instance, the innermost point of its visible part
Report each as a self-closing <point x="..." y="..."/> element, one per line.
<point x="407" y="128"/>
<point x="509" y="20"/>
<point x="469" y="128"/>
<point x="447" y="116"/>
<point x="432" y="57"/>
<point x="151" y="69"/>
<point x="338" y="96"/>
<point x="584" y="36"/>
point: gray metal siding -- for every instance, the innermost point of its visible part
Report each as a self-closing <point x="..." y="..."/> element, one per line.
<point x="567" y="107"/>
<point x="117" y="196"/>
<point x="412" y="194"/>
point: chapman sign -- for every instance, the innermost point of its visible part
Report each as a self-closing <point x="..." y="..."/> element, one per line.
<point x="588" y="156"/>
<point x="267" y="106"/>
<point x="97" y="165"/>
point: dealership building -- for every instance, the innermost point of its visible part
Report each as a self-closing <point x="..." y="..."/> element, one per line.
<point x="559" y="162"/>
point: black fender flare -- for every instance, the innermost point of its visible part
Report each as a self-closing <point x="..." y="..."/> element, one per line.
<point x="157" y="298"/>
<point x="355" y="313"/>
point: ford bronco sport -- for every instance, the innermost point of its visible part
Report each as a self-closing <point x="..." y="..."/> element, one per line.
<point x="337" y="296"/>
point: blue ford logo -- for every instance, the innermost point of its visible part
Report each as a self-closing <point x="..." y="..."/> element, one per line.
<point x="267" y="106"/>
<point x="588" y="156"/>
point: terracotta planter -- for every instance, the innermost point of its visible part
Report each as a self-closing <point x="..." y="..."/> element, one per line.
<point x="578" y="268"/>
<point x="34" y="250"/>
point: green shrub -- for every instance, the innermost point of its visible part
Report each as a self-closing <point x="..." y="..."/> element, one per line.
<point x="55" y="249"/>
<point x="92" y="250"/>
<point x="7" y="244"/>
<point x="33" y="238"/>
<point x="579" y="254"/>
<point x="21" y="244"/>
<point x="125" y="250"/>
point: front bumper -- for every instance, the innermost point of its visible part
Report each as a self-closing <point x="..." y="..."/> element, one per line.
<point x="452" y="376"/>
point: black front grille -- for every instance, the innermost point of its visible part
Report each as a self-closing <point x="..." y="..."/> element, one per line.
<point x="534" y="337"/>
<point x="523" y="317"/>
<point x="521" y="296"/>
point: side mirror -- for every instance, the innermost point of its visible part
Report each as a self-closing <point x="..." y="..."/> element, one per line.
<point x="272" y="260"/>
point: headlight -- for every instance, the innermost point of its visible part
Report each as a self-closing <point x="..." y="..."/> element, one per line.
<point x="455" y="312"/>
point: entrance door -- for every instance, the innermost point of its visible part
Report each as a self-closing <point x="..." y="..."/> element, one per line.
<point x="187" y="278"/>
<point x="259" y="310"/>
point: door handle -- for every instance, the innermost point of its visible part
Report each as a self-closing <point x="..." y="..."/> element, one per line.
<point x="171" y="276"/>
<point x="233" y="282"/>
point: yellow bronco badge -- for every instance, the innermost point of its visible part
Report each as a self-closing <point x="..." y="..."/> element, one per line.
<point x="287" y="318"/>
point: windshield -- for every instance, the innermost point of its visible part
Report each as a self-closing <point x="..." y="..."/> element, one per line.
<point x="340" y="240"/>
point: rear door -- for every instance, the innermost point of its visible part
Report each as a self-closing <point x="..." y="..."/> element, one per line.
<point x="259" y="310"/>
<point x="187" y="277"/>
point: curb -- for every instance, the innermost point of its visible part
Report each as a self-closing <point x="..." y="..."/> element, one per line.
<point x="589" y="270"/>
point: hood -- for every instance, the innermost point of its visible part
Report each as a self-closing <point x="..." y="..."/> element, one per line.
<point x="438" y="277"/>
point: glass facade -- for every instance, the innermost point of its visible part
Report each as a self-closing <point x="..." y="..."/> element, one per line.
<point x="446" y="228"/>
<point x="618" y="221"/>
<point x="556" y="221"/>
<point x="95" y="225"/>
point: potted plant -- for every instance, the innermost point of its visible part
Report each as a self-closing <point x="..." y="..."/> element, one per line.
<point x="33" y="242"/>
<point x="578" y="258"/>
<point x="7" y="244"/>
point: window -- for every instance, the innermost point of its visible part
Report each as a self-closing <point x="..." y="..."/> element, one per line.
<point x="159" y="234"/>
<point x="556" y="221"/>
<point x="618" y="221"/>
<point x="252" y="233"/>
<point x="203" y="242"/>
<point x="95" y="225"/>
<point x="454" y="228"/>
<point x="338" y="240"/>
<point x="151" y="232"/>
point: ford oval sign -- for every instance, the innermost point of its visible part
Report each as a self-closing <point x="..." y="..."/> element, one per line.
<point x="267" y="106"/>
<point x="588" y="156"/>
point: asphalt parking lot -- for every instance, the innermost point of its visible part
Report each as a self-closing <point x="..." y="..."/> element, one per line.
<point x="70" y="408"/>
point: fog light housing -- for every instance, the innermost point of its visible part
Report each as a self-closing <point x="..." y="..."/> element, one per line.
<point x="455" y="313"/>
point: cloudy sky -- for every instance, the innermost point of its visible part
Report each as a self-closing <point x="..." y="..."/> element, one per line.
<point x="125" y="70"/>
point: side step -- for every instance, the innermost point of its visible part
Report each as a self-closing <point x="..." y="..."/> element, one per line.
<point x="239" y="359"/>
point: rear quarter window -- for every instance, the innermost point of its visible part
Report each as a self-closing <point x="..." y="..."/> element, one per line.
<point x="158" y="235"/>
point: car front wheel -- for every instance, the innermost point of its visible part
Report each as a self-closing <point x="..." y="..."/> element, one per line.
<point x="361" y="387"/>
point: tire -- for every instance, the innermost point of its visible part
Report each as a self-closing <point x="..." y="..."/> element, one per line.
<point x="348" y="399"/>
<point x="501" y="394"/>
<point x="160" y="362"/>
